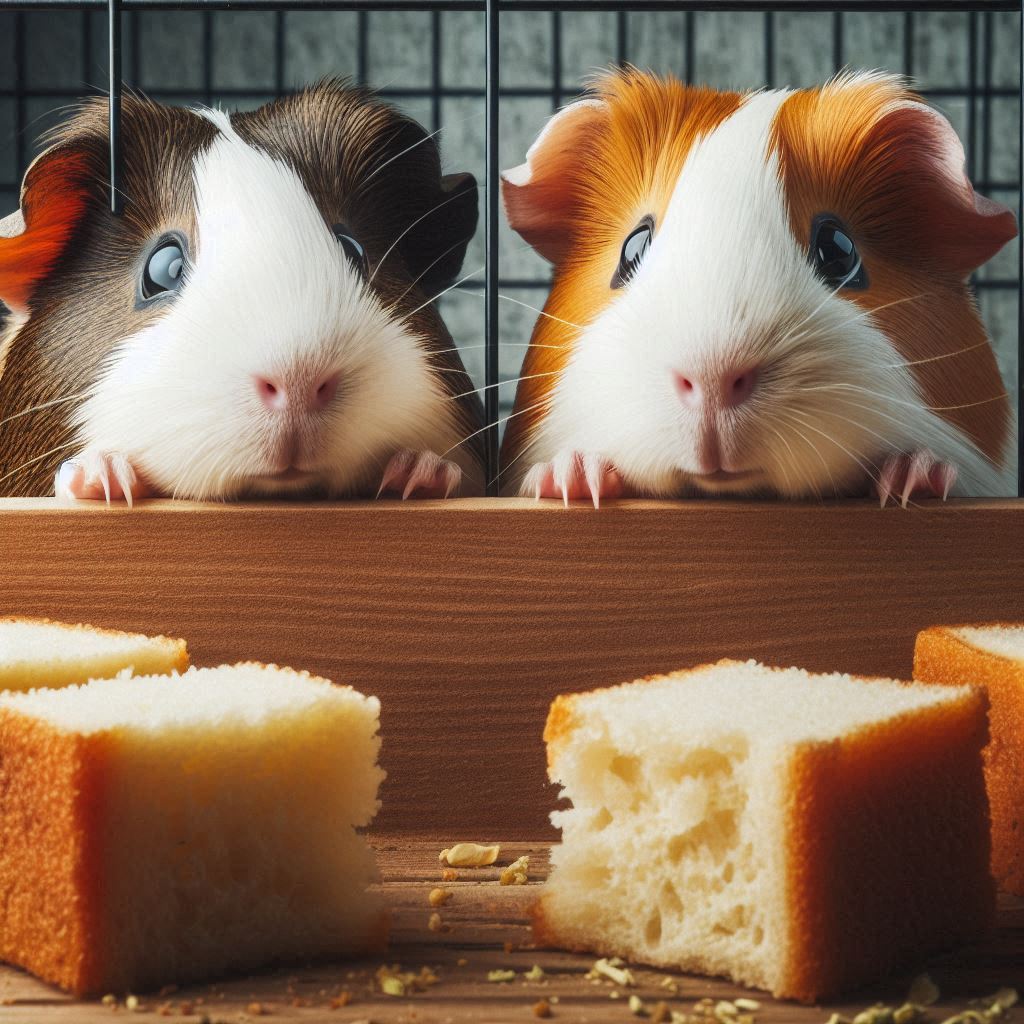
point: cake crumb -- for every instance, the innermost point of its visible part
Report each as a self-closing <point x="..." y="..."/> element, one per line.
<point x="438" y="897"/>
<point x="516" y="872"/>
<point x="636" y="1006"/>
<point x="542" y="1008"/>
<point x="448" y="875"/>
<point x="470" y="855"/>
<point x="131" y="1004"/>
<point x="535" y="973"/>
<point x="435" y="924"/>
<point x="256" y="1009"/>
<point x="109" y="999"/>
<point x="343" y="998"/>
<point x="611" y="970"/>
<point x="501" y="975"/>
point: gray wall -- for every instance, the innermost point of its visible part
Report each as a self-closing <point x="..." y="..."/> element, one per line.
<point x="968" y="65"/>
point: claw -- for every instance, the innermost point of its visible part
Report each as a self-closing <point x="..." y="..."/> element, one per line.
<point x="572" y="475"/>
<point x="917" y="475"/>
<point x="887" y="479"/>
<point x="401" y="462"/>
<point x="93" y="475"/>
<point x="593" y="468"/>
<point x="426" y="472"/>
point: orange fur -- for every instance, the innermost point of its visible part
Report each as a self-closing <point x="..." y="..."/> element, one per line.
<point x="54" y="201"/>
<point x="883" y="169"/>
<point x="590" y="185"/>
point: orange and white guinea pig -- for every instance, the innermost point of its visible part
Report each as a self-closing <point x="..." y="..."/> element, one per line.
<point x="758" y="293"/>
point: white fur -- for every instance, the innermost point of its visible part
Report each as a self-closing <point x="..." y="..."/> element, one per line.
<point x="269" y="292"/>
<point x="725" y="285"/>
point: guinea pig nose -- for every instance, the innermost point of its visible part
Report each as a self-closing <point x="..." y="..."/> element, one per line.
<point x="738" y="387"/>
<point x="324" y="391"/>
<point x="715" y="390"/>
<point x="690" y="392"/>
<point x="271" y="392"/>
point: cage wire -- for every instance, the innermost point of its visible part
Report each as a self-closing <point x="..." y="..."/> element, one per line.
<point x="432" y="62"/>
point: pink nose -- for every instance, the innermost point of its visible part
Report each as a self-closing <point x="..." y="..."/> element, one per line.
<point x="297" y="395"/>
<point x="723" y="391"/>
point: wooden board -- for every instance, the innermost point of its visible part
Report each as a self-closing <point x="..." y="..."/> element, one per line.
<point x="466" y="617"/>
<point x="483" y="917"/>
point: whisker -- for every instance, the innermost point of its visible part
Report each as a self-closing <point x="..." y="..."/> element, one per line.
<point x="43" y="405"/>
<point x="540" y="312"/>
<point x="423" y="273"/>
<point x="502" y="383"/>
<point x="843" y="448"/>
<point x="497" y="423"/>
<point x="423" y="305"/>
<point x="38" y="458"/>
<point x="910" y="405"/>
<point x="935" y="359"/>
<point x="433" y="134"/>
<point x="422" y="217"/>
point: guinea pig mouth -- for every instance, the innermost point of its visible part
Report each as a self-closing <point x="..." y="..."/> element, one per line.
<point x="726" y="476"/>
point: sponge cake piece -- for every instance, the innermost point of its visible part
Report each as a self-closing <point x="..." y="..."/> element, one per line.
<point x="162" y="829"/>
<point x="799" y="833"/>
<point x="38" y="652"/>
<point x="993" y="656"/>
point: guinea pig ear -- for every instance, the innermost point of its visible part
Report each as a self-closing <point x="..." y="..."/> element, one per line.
<point x="961" y="229"/>
<point x="435" y="250"/>
<point x="54" y="198"/>
<point x="538" y="194"/>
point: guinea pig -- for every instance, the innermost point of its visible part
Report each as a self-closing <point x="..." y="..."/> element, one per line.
<point x="260" y="320"/>
<point x="757" y="293"/>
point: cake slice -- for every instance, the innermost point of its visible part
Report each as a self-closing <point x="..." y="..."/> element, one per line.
<point x="795" y="832"/>
<point x="993" y="656"/>
<point x="162" y="829"/>
<point x="38" y="652"/>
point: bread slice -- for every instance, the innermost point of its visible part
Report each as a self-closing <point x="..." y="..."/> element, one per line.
<point x="991" y="655"/>
<point x="162" y="829"/>
<point x="799" y="833"/>
<point x="39" y="652"/>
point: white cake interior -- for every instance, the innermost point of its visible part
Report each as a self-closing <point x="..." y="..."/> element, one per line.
<point x="1005" y="641"/>
<point x="672" y="852"/>
<point x="230" y="805"/>
<point x="37" y="653"/>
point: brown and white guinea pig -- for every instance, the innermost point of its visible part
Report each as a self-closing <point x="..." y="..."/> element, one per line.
<point x="760" y="293"/>
<point x="258" y="322"/>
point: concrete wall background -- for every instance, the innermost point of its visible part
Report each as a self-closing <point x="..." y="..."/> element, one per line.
<point x="432" y="66"/>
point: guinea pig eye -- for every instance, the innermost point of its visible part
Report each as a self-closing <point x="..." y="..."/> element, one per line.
<point x="352" y="249"/>
<point x="164" y="269"/>
<point x="834" y="255"/>
<point x="634" y="249"/>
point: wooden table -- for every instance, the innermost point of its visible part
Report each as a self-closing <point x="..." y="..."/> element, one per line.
<point x="489" y="931"/>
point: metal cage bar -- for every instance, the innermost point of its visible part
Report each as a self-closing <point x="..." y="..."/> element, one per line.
<point x="979" y="61"/>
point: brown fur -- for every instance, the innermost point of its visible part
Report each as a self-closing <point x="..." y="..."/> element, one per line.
<point x="333" y="136"/>
<point x="632" y="149"/>
<point x="918" y="233"/>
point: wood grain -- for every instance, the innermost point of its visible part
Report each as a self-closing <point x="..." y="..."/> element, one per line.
<point x="466" y="617"/>
<point x="483" y="916"/>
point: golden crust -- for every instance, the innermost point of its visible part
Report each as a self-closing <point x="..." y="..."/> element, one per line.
<point x="941" y="656"/>
<point x="48" y="871"/>
<point x="176" y="645"/>
<point x="875" y="878"/>
<point x="866" y="827"/>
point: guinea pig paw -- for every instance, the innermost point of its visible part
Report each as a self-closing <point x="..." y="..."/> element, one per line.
<point x="573" y="475"/>
<point x="919" y="473"/>
<point x="420" y="475"/>
<point x="95" y="475"/>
